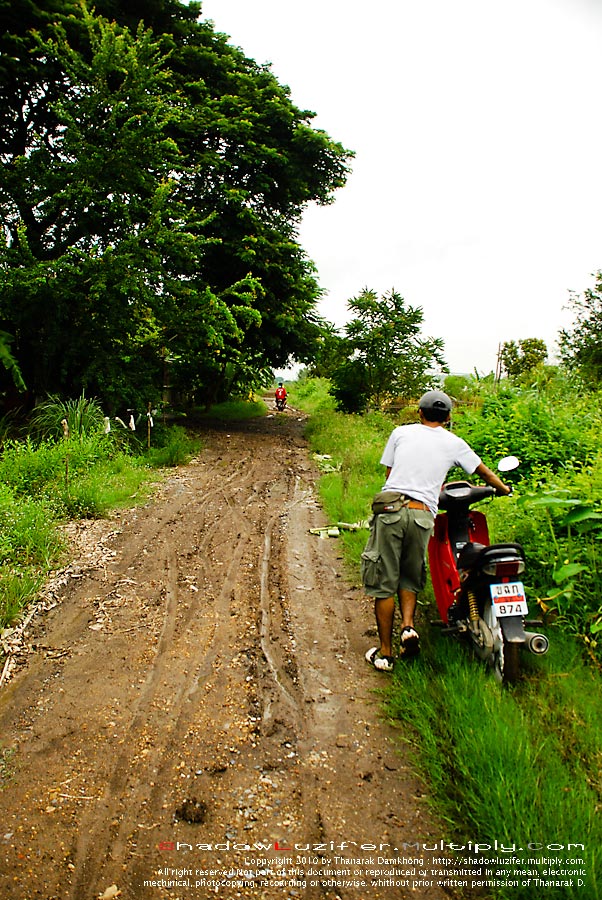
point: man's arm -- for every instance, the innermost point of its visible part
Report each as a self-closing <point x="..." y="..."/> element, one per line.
<point x="491" y="478"/>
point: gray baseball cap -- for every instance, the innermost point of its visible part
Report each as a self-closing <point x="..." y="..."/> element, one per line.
<point x="435" y="400"/>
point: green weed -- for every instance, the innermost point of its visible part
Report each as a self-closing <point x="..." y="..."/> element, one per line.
<point x="177" y="449"/>
<point x="28" y="468"/>
<point x="311" y="394"/>
<point x="18" y="590"/>
<point x="27" y="534"/>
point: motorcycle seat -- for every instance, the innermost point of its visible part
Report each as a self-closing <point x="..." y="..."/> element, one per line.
<point x="473" y="554"/>
<point x="500" y="551"/>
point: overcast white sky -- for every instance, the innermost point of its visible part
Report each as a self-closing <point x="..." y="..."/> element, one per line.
<point x="476" y="189"/>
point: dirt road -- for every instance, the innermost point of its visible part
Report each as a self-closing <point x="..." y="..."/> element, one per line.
<point x="196" y="718"/>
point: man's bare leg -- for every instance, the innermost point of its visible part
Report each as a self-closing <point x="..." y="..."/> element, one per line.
<point x="384" y="611"/>
<point x="410" y="642"/>
<point x="407" y="603"/>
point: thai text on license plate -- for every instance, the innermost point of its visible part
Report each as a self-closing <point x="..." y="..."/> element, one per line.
<point x="509" y="599"/>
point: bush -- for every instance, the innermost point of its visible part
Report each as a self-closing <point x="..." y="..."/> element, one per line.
<point x="312" y="394"/>
<point x="557" y="518"/>
<point x="350" y="388"/>
<point x="82" y="416"/>
<point x="546" y="429"/>
<point x="176" y="448"/>
<point x="557" y="512"/>
<point x="28" y="536"/>
<point x="28" y="468"/>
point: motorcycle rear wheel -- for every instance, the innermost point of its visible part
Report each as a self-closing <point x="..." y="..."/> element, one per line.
<point x="505" y="656"/>
<point x="506" y="662"/>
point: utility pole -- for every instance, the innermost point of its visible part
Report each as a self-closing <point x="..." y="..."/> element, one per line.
<point x="498" y="365"/>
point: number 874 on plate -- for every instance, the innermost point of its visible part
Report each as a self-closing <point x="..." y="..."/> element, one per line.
<point x="509" y="599"/>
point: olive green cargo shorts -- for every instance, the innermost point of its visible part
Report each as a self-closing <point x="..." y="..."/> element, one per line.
<point x="395" y="556"/>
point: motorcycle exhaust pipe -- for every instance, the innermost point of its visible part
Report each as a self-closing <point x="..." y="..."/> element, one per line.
<point x="536" y="643"/>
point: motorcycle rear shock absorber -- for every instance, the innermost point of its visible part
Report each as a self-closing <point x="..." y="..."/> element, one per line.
<point x="473" y="609"/>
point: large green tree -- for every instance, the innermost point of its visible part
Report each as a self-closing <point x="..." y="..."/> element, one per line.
<point x="386" y="354"/>
<point x="96" y="230"/>
<point x="151" y="187"/>
<point x="520" y="359"/>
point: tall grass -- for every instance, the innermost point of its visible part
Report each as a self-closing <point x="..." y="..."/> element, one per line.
<point x="359" y="475"/>
<point x="29" y="545"/>
<point x="27" y="535"/>
<point x="18" y="589"/>
<point x="82" y="416"/>
<point x="521" y="765"/>
<point x="233" y="410"/>
<point x="174" y="449"/>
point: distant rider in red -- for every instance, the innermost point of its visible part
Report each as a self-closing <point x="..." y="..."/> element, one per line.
<point x="280" y="396"/>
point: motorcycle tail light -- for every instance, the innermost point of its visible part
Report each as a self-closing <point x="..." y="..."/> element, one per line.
<point x="505" y="568"/>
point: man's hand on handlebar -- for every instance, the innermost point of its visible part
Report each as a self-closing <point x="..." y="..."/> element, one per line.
<point x="492" y="479"/>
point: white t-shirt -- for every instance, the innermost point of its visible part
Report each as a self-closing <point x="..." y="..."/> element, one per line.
<point x="420" y="458"/>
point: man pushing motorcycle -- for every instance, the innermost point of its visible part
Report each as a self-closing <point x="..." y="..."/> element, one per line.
<point x="417" y="458"/>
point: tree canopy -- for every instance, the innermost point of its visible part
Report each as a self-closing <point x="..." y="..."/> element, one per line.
<point x="521" y="358"/>
<point x="152" y="180"/>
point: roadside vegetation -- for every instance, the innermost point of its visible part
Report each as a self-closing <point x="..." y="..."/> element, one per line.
<point x="47" y="478"/>
<point x="520" y="765"/>
<point x="233" y="410"/>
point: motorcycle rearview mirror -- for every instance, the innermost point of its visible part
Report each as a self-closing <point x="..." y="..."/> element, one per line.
<point x="508" y="464"/>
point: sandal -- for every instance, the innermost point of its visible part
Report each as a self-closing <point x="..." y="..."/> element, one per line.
<point x="378" y="661"/>
<point x="409" y="643"/>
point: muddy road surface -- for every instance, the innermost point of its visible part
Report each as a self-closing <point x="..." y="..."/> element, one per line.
<point x="195" y="718"/>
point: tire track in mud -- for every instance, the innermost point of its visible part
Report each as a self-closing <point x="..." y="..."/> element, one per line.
<point x="267" y="630"/>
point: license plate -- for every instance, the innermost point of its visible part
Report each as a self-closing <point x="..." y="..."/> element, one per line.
<point x="509" y="599"/>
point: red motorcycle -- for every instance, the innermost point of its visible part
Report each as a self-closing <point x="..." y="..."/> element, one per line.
<point x="280" y="398"/>
<point x="478" y="586"/>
